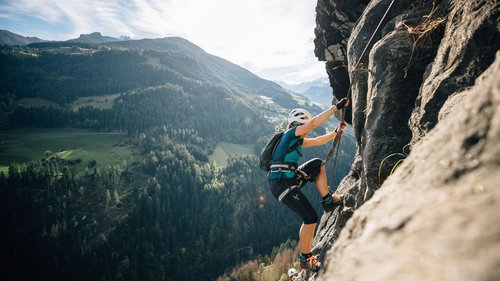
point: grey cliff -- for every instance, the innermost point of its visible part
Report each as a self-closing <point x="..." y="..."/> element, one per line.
<point x="423" y="195"/>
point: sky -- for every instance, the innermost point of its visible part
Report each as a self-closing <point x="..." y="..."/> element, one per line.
<point x="271" y="38"/>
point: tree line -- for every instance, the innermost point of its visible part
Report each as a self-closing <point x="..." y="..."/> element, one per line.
<point x="172" y="217"/>
<point x="171" y="214"/>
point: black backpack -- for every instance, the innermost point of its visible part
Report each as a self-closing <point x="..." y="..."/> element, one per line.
<point x="266" y="156"/>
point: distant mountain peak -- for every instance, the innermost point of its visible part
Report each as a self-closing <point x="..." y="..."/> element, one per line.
<point x="94" y="37"/>
<point x="13" y="39"/>
<point x="318" y="90"/>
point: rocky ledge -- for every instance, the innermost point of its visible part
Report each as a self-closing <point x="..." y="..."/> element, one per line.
<point x="422" y="196"/>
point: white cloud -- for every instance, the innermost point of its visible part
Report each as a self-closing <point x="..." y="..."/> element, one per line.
<point x="266" y="36"/>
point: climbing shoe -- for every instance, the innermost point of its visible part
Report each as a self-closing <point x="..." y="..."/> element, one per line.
<point x="309" y="261"/>
<point x="331" y="202"/>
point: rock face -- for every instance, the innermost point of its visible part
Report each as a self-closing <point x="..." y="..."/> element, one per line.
<point x="335" y="20"/>
<point x="429" y="83"/>
<point x="94" y="37"/>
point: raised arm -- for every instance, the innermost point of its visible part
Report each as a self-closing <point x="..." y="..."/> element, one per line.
<point x="320" y="140"/>
<point x="321" y="118"/>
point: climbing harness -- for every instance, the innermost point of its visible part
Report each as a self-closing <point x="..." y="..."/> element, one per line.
<point x="282" y="166"/>
<point x="336" y="141"/>
<point x="301" y="178"/>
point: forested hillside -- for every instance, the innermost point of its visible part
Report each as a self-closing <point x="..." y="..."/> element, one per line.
<point x="167" y="212"/>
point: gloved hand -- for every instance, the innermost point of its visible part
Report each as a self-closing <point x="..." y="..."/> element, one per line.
<point x="342" y="103"/>
<point x="340" y="128"/>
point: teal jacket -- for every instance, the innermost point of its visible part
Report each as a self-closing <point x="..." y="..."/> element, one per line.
<point x="289" y="139"/>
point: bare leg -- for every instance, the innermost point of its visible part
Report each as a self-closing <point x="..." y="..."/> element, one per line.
<point x="306" y="235"/>
<point x="321" y="182"/>
<point x="322" y="185"/>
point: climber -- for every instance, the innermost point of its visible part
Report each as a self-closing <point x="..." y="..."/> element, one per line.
<point x="286" y="177"/>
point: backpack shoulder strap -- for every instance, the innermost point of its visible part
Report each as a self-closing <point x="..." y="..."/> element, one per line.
<point x="295" y="146"/>
<point x="292" y="148"/>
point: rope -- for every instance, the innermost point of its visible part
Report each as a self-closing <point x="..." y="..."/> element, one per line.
<point x="374" y="32"/>
<point x="336" y="141"/>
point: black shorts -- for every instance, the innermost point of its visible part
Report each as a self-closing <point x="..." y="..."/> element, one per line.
<point x="295" y="199"/>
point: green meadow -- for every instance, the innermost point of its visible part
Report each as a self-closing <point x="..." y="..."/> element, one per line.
<point x="28" y="144"/>
<point x="102" y="102"/>
<point x="36" y="102"/>
<point x="224" y="150"/>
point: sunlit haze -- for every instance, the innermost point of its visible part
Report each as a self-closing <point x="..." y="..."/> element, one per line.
<point x="272" y="38"/>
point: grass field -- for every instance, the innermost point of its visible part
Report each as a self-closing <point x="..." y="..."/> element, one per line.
<point x="155" y="61"/>
<point x="36" y="102"/>
<point x="102" y="102"/>
<point x="24" y="145"/>
<point x="224" y="150"/>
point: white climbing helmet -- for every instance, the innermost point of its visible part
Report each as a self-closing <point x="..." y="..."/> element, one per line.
<point x="291" y="272"/>
<point x="299" y="115"/>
